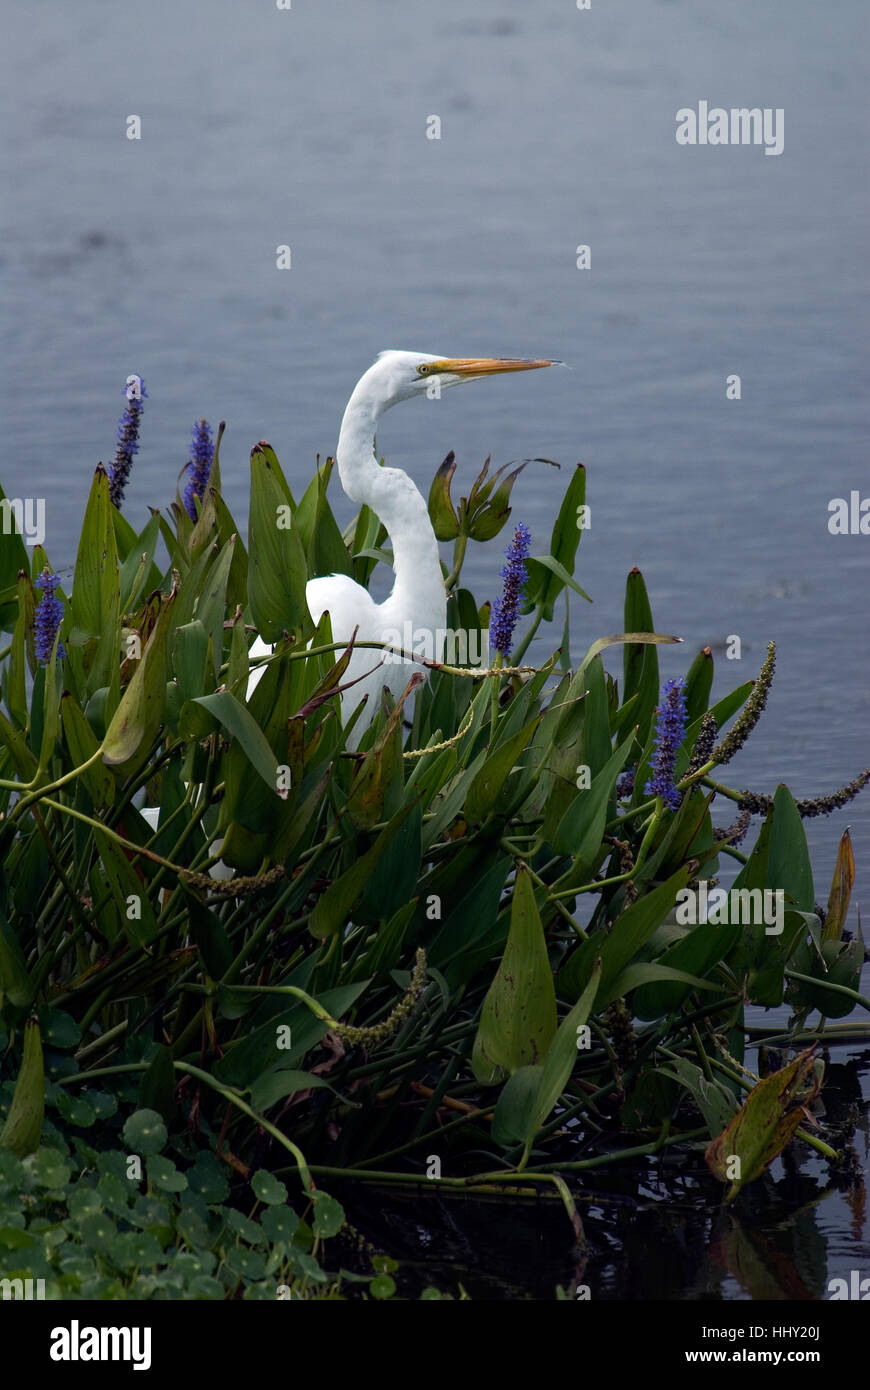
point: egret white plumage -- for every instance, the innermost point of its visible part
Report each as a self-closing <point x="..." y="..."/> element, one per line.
<point x="418" y="600"/>
<point x="418" y="596"/>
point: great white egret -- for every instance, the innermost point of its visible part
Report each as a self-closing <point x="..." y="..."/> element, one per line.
<point x="418" y="597"/>
<point x="418" y="600"/>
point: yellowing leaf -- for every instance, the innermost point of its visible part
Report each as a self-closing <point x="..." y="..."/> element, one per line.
<point x="764" y="1124"/>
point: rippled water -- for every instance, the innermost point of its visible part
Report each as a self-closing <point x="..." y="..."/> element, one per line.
<point x="307" y="127"/>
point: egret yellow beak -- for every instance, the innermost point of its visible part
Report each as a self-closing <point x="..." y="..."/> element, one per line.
<point x="487" y="366"/>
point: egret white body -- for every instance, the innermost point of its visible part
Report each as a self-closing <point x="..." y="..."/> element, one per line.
<point x="418" y="600"/>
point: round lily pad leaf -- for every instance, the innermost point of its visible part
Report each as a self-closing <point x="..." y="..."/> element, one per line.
<point x="84" y="1201"/>
<point x="50" y="1169"/>
<point x="75" y="1109"/>
<point x="76" y="1262"/>
<point x="267" y="1188"/>
<point x="192" y="1227"/>
<point x="207" y="1179"/>
<point x="136" y="1249"/>
<point x="112" y="1161"/>
<point x="116" y="1193"/>
<point x="328" y="1217"/>
<point x="104" y="1103"/>
<point x="11" y="1171"/>
<point x="205" y="1287"/>
<point x="243" y="1226"/>
<point x="144" y="1132"/>
<point x="164" y="1174"/>
<point x="58" y="1029"/>
<point x="150" y="1211"/>
<point x="247" y="1264"/>
<point x="382" y="1286"/>
<point x="191" y="1263"/>
<point x="259" y="1293"/>
<point x="13" y="1238"/>
<point x="280" y="1224"/>
<point x="98" y="1233"/>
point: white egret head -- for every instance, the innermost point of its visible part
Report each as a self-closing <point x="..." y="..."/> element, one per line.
<point x="397" y="376"/>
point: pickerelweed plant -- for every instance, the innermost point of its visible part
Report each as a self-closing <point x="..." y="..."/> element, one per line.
<point x="489" y="929"/>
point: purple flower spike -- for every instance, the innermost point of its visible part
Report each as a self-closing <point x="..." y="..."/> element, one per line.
<point x="503" y="617"/>
<point x="199" y="466"/>
<point x="47" y="619"/>
<point x="128" y="438"/>
<point x="670" y="732"/>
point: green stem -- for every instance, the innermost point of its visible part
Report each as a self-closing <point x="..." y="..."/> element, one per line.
<point x="525" y="640"/>
<point x="458" y="557"/>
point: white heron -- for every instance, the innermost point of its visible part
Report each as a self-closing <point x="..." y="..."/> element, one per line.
<point x="418" y="600"/>
<point x="418" y="597"/>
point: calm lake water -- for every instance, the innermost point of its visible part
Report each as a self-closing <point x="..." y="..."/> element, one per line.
<point x="307" y="127"/>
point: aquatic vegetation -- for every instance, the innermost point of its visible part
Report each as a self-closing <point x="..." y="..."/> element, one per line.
<point x="465" y="941"/>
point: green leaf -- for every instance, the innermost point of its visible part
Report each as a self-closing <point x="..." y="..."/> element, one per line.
<point x="788" y="866"/>
<point x="699" y="683"/>
<point x="324" y="547"/>
<point x="144" y="1132"/>
<point x="331" y="911"/>
<point x="210" y="935"/>
<point x="713" y="1099"/>
<point x="164" y="1175"/>
<point x="267" y="1188"/>
<point x="841" y="890"/>
<point x="545" y="583"/>
<point x="23" y="1128"/>
<point x="640" y="662"/>
<point x="129" y="892"/>
<point x="328" y="1217"/>
<point x="139" y="574"/>
<point x="136" y="721"/>
<point x="442" y="514"/>
<point x="15" y="983"/>
<point x="81" y="742"/>
<point x="212" y="600"/>
<point x="189" y="659"/>
<point x="618" y="948"/>
<point x="520" y="1116"/>
<point x="382" y="1286"/>
<point x="267" y="1090"/>
<point x="280" y="1224"/>
<point x="564" y="578"/>
<point x="13" y="558"/>
<point x="277" y="568"/>
<point x="488" y="783"/>
<point x="695" y="955"/>
<point x="236" y="719"/>
<point x="765" y="1123"/>
<point x="581" y="830"/>
<point x="59" y="1029"/>
<point x="94" y="635"/>
<point x="518" y="1018"/>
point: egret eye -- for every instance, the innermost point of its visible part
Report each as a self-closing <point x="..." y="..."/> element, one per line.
<point x="423" y="369"/>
